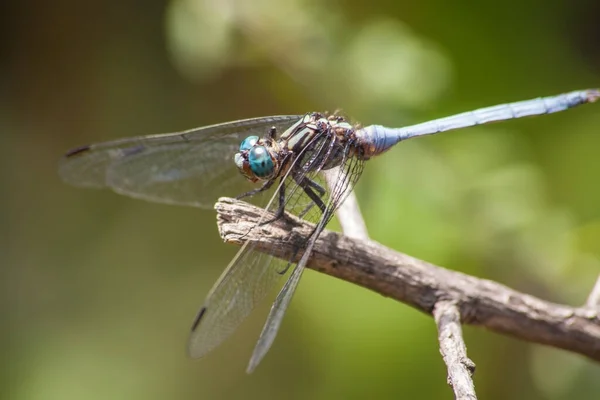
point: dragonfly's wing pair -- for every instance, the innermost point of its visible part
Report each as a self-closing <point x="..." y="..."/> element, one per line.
<point x="248" y="278"/>
<point x="195" y="168"/>
<point x="251" y="275"/>
<point x="192" y="168"/>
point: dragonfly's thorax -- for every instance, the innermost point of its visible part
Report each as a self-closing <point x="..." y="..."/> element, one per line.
<point x="315" y="142"/>
<point x="319" y="141"/>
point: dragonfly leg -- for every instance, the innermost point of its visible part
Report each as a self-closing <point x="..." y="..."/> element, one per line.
<point x="289" y="264"/>
<point x="252" y="192"/>
<point x="315" y="200"/>
<point x="320" y="189"/>
<point x="281" y="208"/>
<point x="308" y="185"/>
<point x="286" y="269"/>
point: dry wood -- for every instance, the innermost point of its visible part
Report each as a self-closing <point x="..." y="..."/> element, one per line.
<point x="454" y="350"/>
<point x="593" y="300"/>
<point x="418" y="283"/>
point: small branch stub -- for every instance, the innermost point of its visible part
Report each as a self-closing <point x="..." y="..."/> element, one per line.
<point x="454" y="350"/>
<point x="593" y="301"/>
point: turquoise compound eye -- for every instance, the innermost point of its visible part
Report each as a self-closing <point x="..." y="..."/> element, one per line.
<point x="260" y="161"/>
<point x="248" y="143"/>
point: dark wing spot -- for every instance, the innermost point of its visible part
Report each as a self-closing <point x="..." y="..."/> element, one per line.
<point x="198" y="318"/>
<point x="77" y="151"/>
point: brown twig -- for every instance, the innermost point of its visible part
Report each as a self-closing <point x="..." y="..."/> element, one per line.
<point x="454" y="350"/>
<point x="348" y="214"/>
<point x="418" y="283"/>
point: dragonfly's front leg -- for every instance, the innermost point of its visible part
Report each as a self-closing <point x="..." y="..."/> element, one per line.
<point x="281" y="207"/>
<point x="252" y="192"/>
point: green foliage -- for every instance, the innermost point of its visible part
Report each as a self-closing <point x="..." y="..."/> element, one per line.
<point x="101" y="289"/>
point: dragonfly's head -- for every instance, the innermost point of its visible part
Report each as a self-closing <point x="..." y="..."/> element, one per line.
<point x="254" y="160"/>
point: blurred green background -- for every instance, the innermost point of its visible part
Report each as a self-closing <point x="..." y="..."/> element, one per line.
<point x="100" y="290"/>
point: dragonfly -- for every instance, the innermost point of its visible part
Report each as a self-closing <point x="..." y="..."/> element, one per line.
<point x="283" y="159"/>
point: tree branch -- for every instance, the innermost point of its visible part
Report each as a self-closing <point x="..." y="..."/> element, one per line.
<point x="348" y="214"/>
<point x="418" y="283"/>
<point x="593" y="301"/>
<point x="454" y="350"/>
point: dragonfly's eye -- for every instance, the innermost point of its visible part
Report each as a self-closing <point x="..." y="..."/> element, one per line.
<point x="248" y="143"/>
<point x="244" y="167"/>
<point x="260" y="161"/>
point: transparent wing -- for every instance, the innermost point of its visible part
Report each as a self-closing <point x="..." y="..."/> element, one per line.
<point x="252" y="274"/>
<point x="246" y="280"/>
<point x="347" y="176"/>
<point x="193" y="168"/>
<point x="244" y="283"/>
